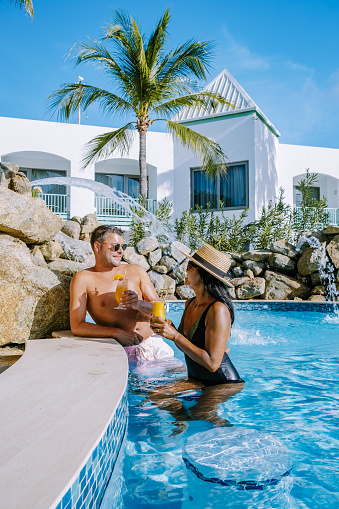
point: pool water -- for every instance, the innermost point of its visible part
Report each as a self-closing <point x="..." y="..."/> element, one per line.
<point x="289" y="360"/>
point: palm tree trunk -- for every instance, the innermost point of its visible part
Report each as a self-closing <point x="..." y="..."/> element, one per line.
<point x="142" y="163"/>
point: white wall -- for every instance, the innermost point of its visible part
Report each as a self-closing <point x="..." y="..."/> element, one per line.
<point x="293" y="161"/>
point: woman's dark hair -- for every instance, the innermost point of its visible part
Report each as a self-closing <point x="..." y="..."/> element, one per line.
<point x="217" y="289"/>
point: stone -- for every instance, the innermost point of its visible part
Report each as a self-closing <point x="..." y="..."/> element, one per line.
<point x="332" y="230"/>
<point x="130" y="255"/>
<point x="318" y="290"/>
<point x="310" y="261"/>
<point x="68" y="267"/>
<point x="284" y="248"/>
<point x="88" y="224"/>
<point x="248" y="273"/>
<point x="34" y="300"/>
<point x="333" y="251"/>
<point x="51" y="250"/>
<point x="317" y="298"/>
<point x="256" y="267"/>
<point x="162" y="283"/>
<point x="76" y="219"/>
<point x="231" y="292"/>
<point x="169" y="262"/>
<point x="280" y="261"/>
<point x="258" y="255"/>
<point x="236" y="256"/>
<point x="13" y="179"/>
<point x="282" y="287"/>
<point x="173" y="251"/>
<point x="337" y="277"/>
<point x="253" y="288"/>
<point x="72" y="229"/>
<point x="237" y="281"/>
<point x="26" y="218"/>
<point x="38" y="257"/>
<point x="316" y="279"/>
<point x="75" y="250"/>
<point x="162" y="269"/>
<point x="147" y="245"/>
<point x="184" y="292"/>
<point x="237" y="272"/>
<point x="89" y="219"/>
<point x="179" y="273"/>
<point x="154" y="257"/>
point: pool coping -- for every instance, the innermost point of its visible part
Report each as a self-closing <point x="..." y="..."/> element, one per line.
<point x="64" y="415"/>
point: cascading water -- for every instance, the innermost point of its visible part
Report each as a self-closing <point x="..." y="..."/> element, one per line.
<point x="125" y="201"/>
<point x="326" y="269"/>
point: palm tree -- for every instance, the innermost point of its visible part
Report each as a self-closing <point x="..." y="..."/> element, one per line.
<point x="151" y="84"/>
<point x="27" y="4"/>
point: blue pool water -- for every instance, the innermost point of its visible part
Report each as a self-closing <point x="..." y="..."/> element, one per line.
<point x="289" y="360"/>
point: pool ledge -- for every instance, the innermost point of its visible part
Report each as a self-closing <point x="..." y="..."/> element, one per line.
<point x="57" y="403"/>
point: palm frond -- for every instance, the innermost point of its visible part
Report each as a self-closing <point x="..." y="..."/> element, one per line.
<point x="103" y="146"/>
<point x="26" y="4"/>
<point x="211" y="155"/>
<point x="66" y="100"/>
<point x="157" y="40"/>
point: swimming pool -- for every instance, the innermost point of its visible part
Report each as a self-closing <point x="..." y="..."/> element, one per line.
<point x="289" y="360"/>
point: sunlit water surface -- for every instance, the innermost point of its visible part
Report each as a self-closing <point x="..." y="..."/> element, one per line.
<point x="289" y="361"/>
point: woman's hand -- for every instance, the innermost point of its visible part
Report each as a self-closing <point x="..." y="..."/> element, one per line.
<point x="163" y="327"/>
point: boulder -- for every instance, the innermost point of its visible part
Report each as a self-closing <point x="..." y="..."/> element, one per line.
<point x="316" y="279"/>
<point x="237" y="281"/>
<point x="236" y="256"/>
<point x="317" y="298"/>
<point x="162" y="283"/>
<point x="154" y="257"/>
<point x="68" y="267"/>
<point x="51" y="250"/>
<point x="72" y="229"/>
<point x="130" y="255"/>
<point x="147" y="245"/>
<point x="169" y="262"/>
<point x="160" y="268"/>
<point x="258" y="255"/>
<point x="179" y="273"/>
<point x="184" y="292"/>
<point x="172" y="250"/>
<point x="231" y="291"/>
<point x="88" y="224"/>
<point x="281" y="262"/>
<point x="38" y="257"/>
<point x="282" y="287"/>
<point x="76" y="219"/>
<point x="34" y="300"/>
<point x="75" y="250"/>
<point x="13" y="179"/>
<point x="26" y="218"/>
<point x="248" y="273"/>
<point x="333" y="251"/>
<point x="337" y="276"/>
<point x="332" y="230"/>
<point x="238" y="271"/>
<point x="256" y="267"/>
<point x="284" y="248"/>
<point x="318" y="290"/>
<point x="253" y="288"/>
<point x="310" y="261"/>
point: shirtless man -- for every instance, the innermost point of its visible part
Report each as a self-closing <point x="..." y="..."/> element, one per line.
<point x="93" y="290"/>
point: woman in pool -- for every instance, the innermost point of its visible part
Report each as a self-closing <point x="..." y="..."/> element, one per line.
<point x="206" y="323"/>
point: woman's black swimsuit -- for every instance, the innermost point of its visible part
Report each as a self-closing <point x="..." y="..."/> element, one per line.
<point x="226" y="373"/>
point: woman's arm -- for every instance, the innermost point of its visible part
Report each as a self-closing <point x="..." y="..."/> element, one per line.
<point x="218" y="328"/>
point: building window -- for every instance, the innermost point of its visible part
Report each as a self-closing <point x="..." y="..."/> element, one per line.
<point x="33" y="174"/>
<point x="230" y="189"/>
<point x="314" y="194"/>
<point x="128" y="184"/>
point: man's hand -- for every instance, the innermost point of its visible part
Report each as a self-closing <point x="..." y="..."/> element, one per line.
<point x="128" y="338"/>
<point x="129" y="300"/>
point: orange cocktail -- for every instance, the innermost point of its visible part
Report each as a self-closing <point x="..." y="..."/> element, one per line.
<point x="122" y="287"/>
<point x="158" y="309"/>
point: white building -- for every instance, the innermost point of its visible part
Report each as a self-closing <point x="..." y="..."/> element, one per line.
<point x="258" y="163"/>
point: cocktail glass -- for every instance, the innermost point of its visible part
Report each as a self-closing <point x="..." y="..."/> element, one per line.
<point x="121" y="287"/>
<point x="158" y="310"/>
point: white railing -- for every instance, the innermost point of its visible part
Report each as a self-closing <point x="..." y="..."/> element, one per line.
<point x="108" y="211"/>
<point x="333" y="215"/>
<point x="57" y="203"/>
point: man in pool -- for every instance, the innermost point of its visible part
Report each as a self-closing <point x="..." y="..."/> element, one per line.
<point x="93" y="290"/>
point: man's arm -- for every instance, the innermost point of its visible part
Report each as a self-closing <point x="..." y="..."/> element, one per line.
<point x="79" y="326"/>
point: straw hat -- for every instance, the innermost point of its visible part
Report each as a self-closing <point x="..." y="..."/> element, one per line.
<point x="212" y="260"/>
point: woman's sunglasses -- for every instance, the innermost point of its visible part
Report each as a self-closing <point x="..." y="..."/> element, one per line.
<point x="191" y="265"/>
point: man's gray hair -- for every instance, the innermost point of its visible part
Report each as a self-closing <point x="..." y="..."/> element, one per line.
<point x="101" y="232"/>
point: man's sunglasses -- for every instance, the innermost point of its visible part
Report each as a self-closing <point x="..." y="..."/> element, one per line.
<point x="116" y="247"/>
<point x="191" y="265"/>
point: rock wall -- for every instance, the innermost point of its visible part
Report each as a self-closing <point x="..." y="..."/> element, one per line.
<point x="39" y="255"/>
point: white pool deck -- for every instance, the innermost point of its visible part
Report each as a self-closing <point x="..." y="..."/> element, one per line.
<point x="56" y="401"/>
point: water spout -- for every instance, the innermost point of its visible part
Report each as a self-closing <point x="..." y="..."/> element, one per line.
<point x="125" y="201"/>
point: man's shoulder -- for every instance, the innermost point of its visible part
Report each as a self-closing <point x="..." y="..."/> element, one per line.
<point x="83" y="274"/>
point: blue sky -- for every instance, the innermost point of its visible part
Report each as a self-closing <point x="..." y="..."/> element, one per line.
<point x="284" y="54"/>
